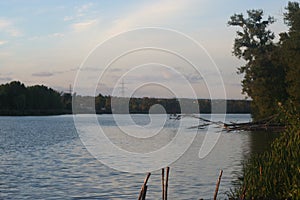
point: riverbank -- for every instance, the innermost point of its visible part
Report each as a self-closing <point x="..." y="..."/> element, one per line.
<point x="275" y="173"/>
<point x="59" y="112"/>
<point x="34" y="112"/>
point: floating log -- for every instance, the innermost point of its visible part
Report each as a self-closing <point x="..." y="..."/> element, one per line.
<point x="264" y="124"/>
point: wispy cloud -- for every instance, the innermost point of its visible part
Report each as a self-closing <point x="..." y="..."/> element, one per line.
<point x="56" y="35"/>
<point x="4" y="23"/>
<point x="53" y="73"/>
<point x="194" y="78"/>
<point x="14" y="32"/>
<point x="80" y="12"/>
<point x="43" y="74"/>
<point x="68" y="18"/>
<point x="8" y="27"/>
<point x="150" y="14"/>
<point x="5" y="79"/>
<point x="81" y="26"/>
<point x="51" y="35"/>
<point x="2" y="42"/>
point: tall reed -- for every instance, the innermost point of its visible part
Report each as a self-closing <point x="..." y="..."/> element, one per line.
<point x="274" y="174"/>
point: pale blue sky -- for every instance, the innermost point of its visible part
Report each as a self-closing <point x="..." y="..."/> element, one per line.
<point x="44" y="42"/>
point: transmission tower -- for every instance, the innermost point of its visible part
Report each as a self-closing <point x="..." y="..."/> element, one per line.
<point x="123" y="88"/>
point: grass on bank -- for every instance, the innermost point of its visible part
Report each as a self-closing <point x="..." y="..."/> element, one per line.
<point x="274" y="174"/>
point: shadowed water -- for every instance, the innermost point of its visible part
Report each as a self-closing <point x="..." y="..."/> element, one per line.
<point x="43" y="158"/>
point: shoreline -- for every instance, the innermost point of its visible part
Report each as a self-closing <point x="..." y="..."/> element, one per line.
<point x="16" y="113"/>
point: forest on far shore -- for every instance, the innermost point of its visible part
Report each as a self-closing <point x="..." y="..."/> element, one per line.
<point x="16" y="99"/>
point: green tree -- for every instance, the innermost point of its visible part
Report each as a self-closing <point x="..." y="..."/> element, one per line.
<point x="275" y="173"/>
<point x="42" y="97"/>
<point x="100" y="103"/>
<point x="16" y="99"/>
<point x="290" y="52"/>
<point x="262" y="71"/>
<point x="108" y="104"/>
<point x="13" y="96"/>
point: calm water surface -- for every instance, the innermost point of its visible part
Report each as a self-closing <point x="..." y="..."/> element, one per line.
<point x="43" y="158"/>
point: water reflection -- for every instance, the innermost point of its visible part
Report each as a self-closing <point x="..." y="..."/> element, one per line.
<point x="261" y="140"/>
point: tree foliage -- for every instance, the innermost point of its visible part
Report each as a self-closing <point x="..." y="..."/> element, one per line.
<point x="255" y="45"/>
<point x="271" y="77"/>
<point x="272" y="69"/>
<point x="290" y="52"/>
<point x="16" y="99"/>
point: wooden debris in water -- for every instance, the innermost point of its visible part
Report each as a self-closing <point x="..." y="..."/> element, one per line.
<point x="143" y="191"/>
<point x="166" y="184"/>
<point x="218" y="184"/>
<point x="163" y="182"/>
<point x="264" y="124"/>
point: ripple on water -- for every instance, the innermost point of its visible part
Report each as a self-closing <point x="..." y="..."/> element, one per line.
<point x="43" y="158"/>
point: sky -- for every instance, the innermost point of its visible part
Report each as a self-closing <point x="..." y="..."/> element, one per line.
<point x="61" y="43"/>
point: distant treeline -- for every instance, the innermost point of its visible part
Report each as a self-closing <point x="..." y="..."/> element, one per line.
<point x="171" y="106"/>
<point x="17" y="99"/>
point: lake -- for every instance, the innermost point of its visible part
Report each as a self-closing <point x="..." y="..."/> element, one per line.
<point x="44" y="158"/>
